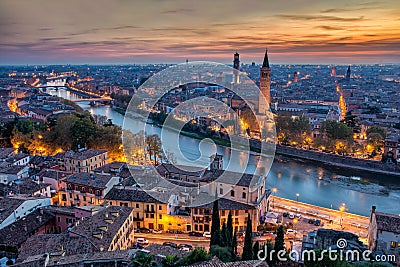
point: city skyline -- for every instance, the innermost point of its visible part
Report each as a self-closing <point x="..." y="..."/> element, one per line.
<point x="295" y="32"/>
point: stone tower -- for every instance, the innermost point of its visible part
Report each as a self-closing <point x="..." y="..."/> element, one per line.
<point x="265" y="86"/>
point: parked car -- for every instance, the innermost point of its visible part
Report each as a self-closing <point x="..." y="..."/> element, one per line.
<point x="142" y="241"/>
<point x="193" y="233"/>
<point x="185" y="247"/>
<point x="291" y="231"/>
<point x="156" y="231"/>
<point x="298" y="215"/>
<point x="137" y="245"/>
<point x="285" y="214"/>
<point x="207" y="234"/>
<point x="291" y="215"/>
<point x="144" y="230"/>
<point x="170" y="244"/>
<point x="317" y="222"/>
<point x="311" y="221"/>
<point x="174" y="231"/>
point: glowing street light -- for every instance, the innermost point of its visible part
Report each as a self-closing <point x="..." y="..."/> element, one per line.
<point x="342" y="208"/>
<point x="297" y="196"/>
<point x="274" y="190"/>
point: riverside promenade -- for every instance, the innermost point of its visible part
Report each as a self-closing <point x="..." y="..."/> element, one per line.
<point x="340" y="161"/>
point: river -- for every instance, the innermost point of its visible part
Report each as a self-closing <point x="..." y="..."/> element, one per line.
<point x="315" y="184"/>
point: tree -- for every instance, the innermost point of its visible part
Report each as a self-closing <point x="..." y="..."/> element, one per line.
<point x="248" y="242"/>
<point x="377" y="130"/>
<point x="215" y="224"/>
<point x="100" y="119"/>
<point x="279" y="242"/>
<point x="336" y="130"/>
<point x="229" y="227"/>
<point x="143" y="260"/>
<point x="170" y="261"/>
<point x="301" y="127"/>
<point x="223" y="253"/>
<point x="225" y="236"/>
<point x="197" y="255"/>
<point x="256" y="248"/>
<point x="153" y="147"/>
<point x="352" y="121"/>
<point x="83" y="131"/>
<point x="234" y="243"/>
<point x="249" y="119"/>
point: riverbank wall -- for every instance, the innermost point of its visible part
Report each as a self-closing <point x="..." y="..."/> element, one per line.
<point x="340" y="161"/>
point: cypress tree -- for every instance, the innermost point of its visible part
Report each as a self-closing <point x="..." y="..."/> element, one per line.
<point x="279" y="243"/>
<point x="248" y="242"/>
<point x="234" y="244"/>
<point x="256" y="248"/>
<point x="215" y="225"/>
<point x="229" y="226"/>
<point x="225" y="236"/>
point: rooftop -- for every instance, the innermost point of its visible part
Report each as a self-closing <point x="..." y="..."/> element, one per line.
<point x="81" y="155"/>
<point x="89" y="179"/>
<point x="130" y="194"/>
<point x="227" y="204"/>
<point x="5" y="152"/>
<point x="111" y="217"/>
<point x="215" y="262"/>
<point x="388" y="222"/>
<point x="18" y="232"/>
<point x="8" y="205"/>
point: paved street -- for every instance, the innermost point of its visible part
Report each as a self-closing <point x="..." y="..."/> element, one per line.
<point x="332" y="219"/>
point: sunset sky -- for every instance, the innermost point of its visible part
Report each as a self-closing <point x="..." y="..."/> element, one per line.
<point x="155" y="31"/>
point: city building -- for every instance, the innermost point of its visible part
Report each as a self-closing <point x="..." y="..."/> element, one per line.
<point x="265" y="86"/>
<point x="83" y="160"/>
<point x="151" y="213"/>
<point x="13" y="208"/>
<point x="236" y="66"/>
<point x="348" y="73"/>
<point x="109" y="229"/>
<point x="87" y="189"/>
<point x="391" y="149"/>
<point x="384" y="233"/>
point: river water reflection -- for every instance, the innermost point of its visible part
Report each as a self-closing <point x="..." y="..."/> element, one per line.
<point x="315" y="185"/>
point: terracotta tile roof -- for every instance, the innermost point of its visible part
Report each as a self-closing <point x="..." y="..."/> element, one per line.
<point x="130" y="194"/>
<point x="82" y="155"/>
<point x="388" y="222"/>
<point x="89" y="226"/>
<point x="215" y="262"/>
<point x="50" y="173"/>
<point x="89" y="179"/>
<point x="26" y="187"/>
<point x="96" y="258"/>
<point x="8" y="205"/>
<point x="18" y="232"/>
<point x="227" y="204"/>
<point x="54" y="244"/>
<point x="157" y="249"/>
<point x="5" y="152"/>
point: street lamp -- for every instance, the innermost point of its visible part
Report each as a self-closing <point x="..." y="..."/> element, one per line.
<point x="274" y="190"/>
<point x="342" y="208"/>
<point x="295" y="221"/>
<point x="297" y="196"/>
